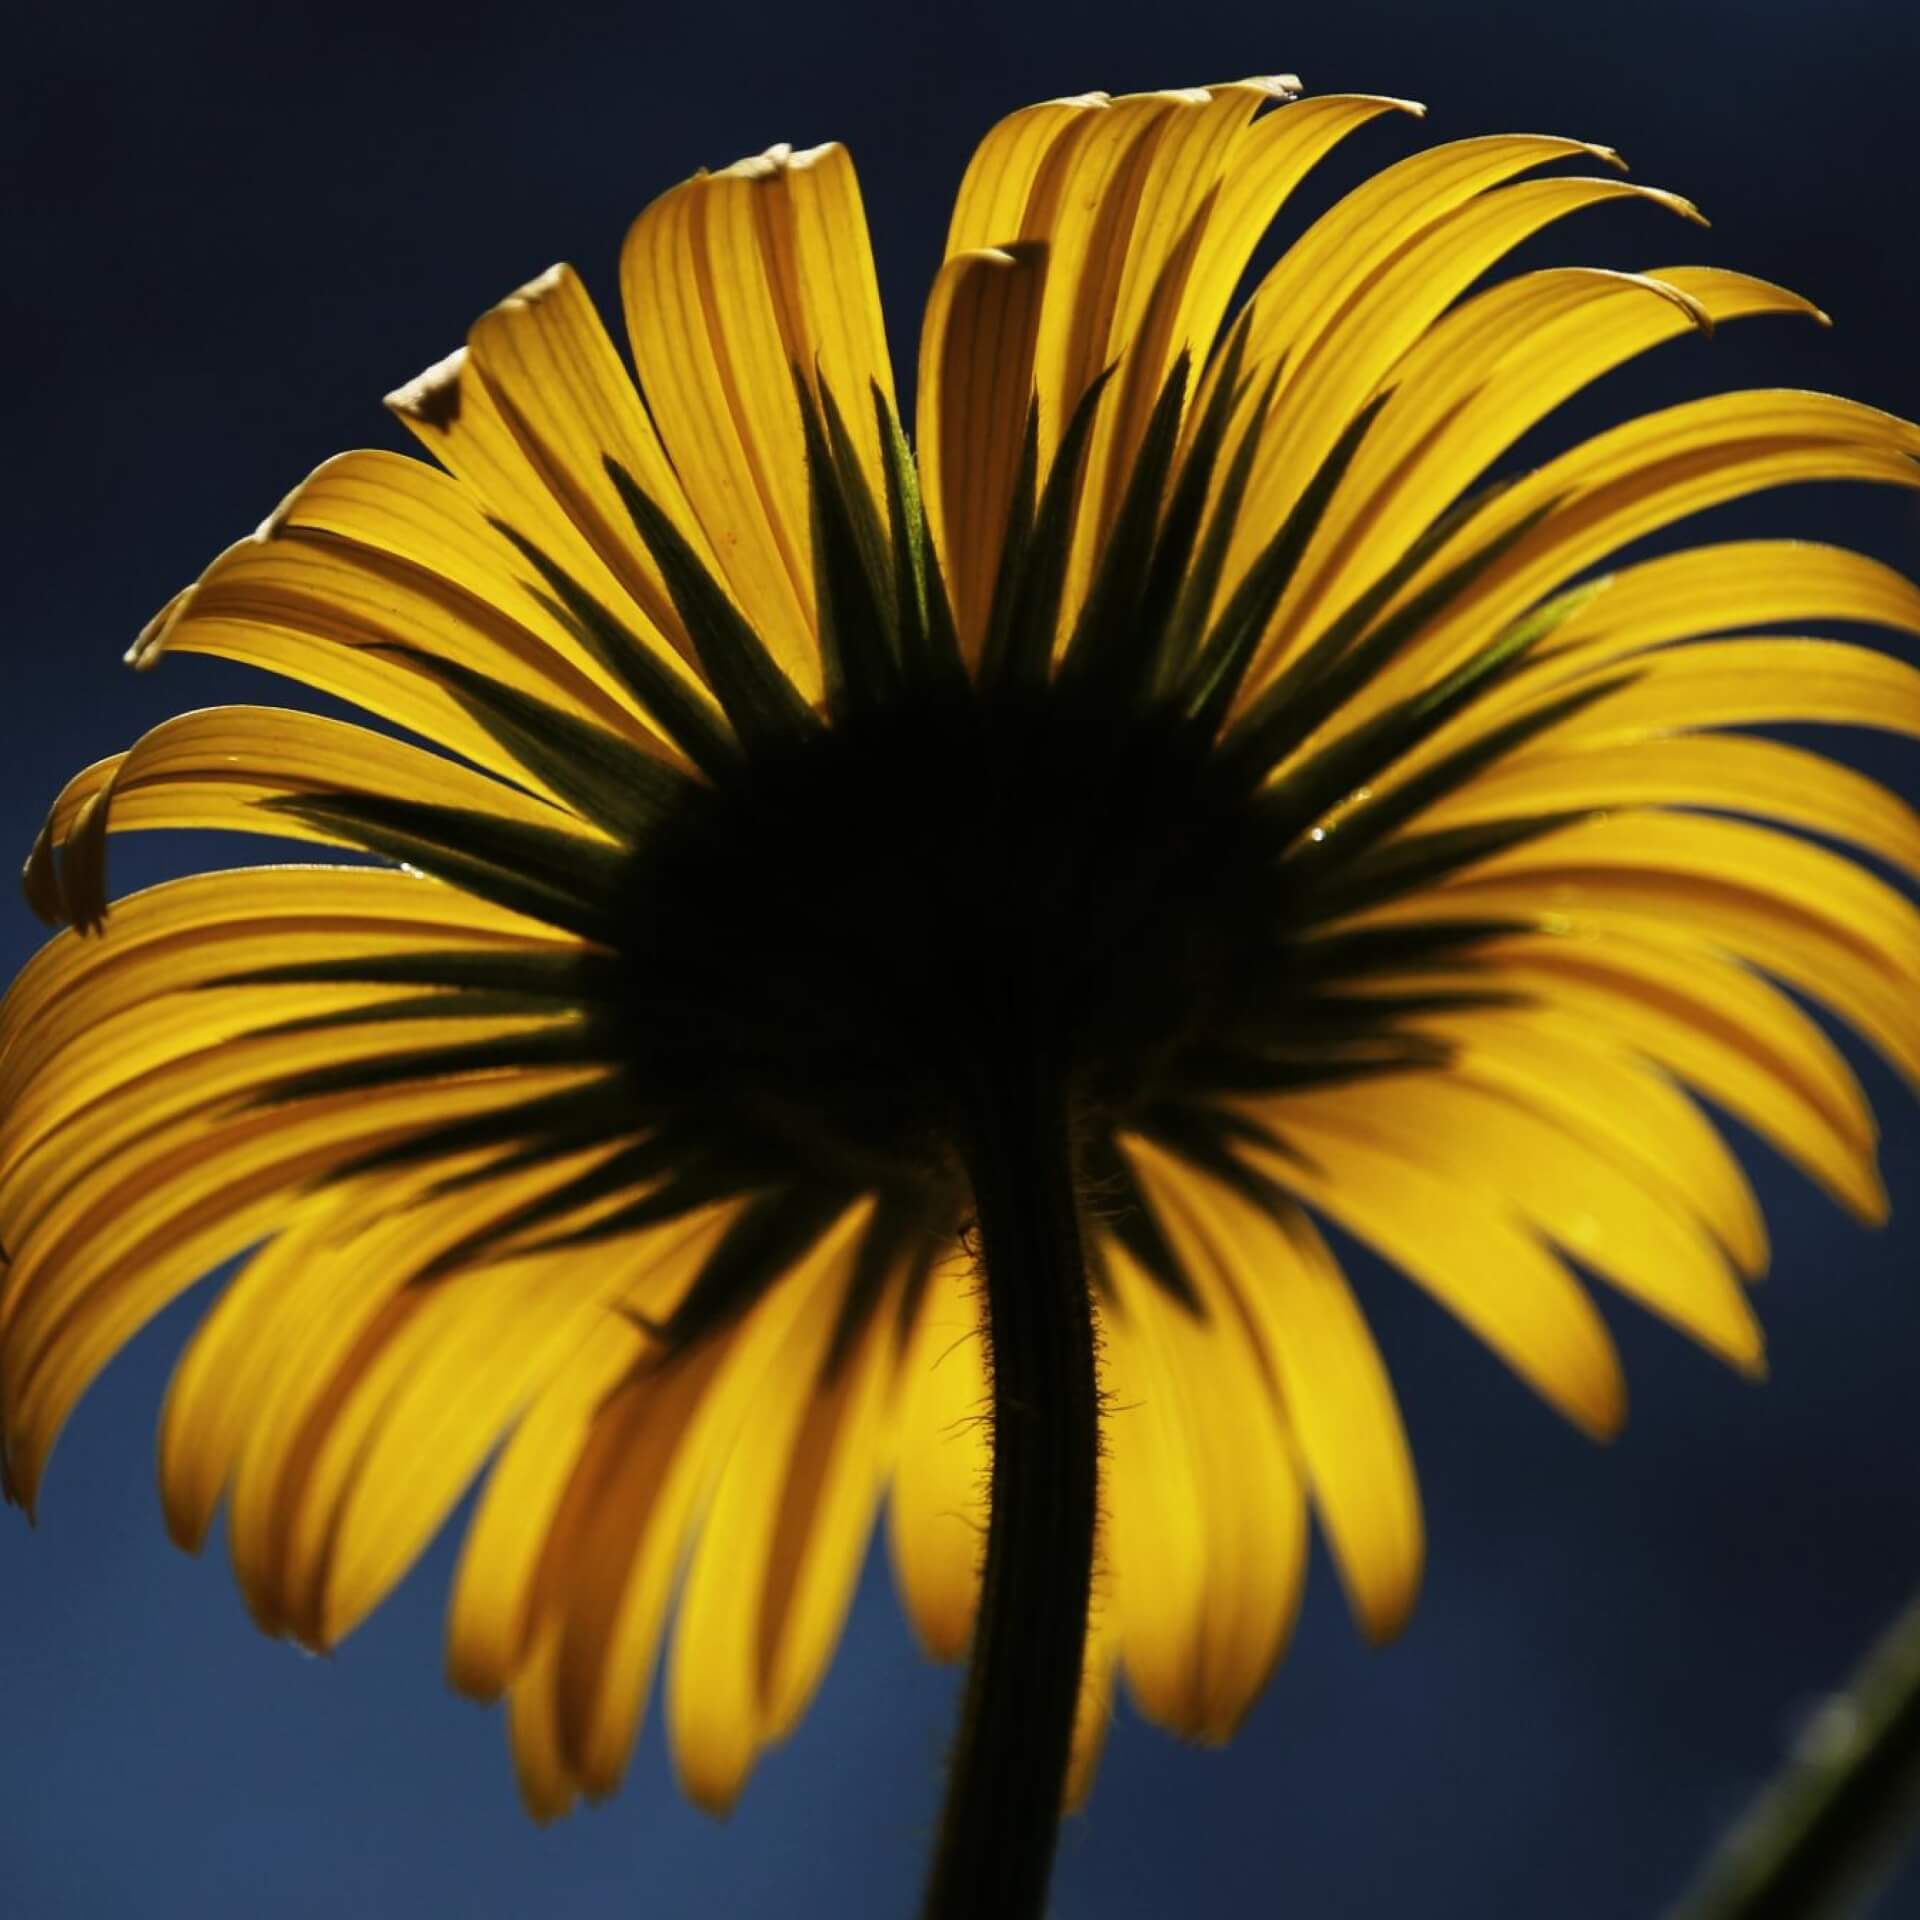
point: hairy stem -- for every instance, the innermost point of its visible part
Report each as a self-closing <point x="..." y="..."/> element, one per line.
<point x="1010" y="1762"/>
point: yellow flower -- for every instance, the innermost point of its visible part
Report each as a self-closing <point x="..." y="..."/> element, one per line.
<point x="1174" y="723"/>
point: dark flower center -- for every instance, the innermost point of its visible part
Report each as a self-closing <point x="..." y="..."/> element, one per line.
<point x="822" y="955"/>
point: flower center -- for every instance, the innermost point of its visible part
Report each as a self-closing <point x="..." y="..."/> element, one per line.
<point x="820" y="956"/>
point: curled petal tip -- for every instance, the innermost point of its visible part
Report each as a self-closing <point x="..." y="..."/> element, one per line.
<point x="1609" y="156"/>
<point x="432" y="397"/>
<point x="541" y="287"/>
<point x="151" y="640"/>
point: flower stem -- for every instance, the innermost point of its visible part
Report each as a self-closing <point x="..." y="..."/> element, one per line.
<point x="1820" y="1838"/>
<point x="1009" y="1766"/>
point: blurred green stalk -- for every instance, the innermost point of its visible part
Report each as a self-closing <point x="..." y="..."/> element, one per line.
<point x="1821" y="1838"/>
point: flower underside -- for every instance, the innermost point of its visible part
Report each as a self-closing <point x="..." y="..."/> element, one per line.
<point x="1081" y="853"/>
<point x="1181" y="715"/>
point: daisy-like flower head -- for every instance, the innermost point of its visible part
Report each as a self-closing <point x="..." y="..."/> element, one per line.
<point x="1176" y="734"/>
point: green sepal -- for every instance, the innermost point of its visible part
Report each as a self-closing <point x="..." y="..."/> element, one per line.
<point x="1227" y="1072"/>
<point x="1020" y="649"/>
<point x="890" y="1233"/>
<point x="763" y="705"/>
<point x="1229" y="647"/>
<point x="1116" y="1201"/>
<point x="683" y="715"/>
<point x="615" y="784"/>
<point x="1412" y="946"/>
<point x="1367" y="825"/>
<point x="576" y="1043"/>
<point x="545" y="1127"/>
<point x="465" y="1004"/>
<point x="563" y="974"/>
<point x="1117" y="632"/>
<point x="1420" y="860"/>
<point x="1294" y="803"/>
<point x="1180" y="551"/>
<point x="853" y="608"/>
<point x="559" y="878"/>
<point x="504" y="1234"/>
<point x="772" y="1234"/>
<point x="1018" y="535"/>
<point x="1349" y="653"/>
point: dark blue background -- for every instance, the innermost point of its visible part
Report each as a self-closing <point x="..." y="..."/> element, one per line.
<point x="227" y="230"/>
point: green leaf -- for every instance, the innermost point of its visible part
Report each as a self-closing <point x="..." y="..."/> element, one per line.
<point x="762" y="703"/>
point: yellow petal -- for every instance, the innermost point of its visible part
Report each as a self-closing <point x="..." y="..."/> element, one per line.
<point x="937" y="1511"/>
<point x="221" y="1386"/>
<point x="547" y="1786"/>
<point x="1094" y="1713"/>
<point x="1487" y="1271"/>
<point x="168" y="947"/>
<point x="559" y="387"/>
<point x="346" y="621"/>
<point x="1476" y="1136"/>
<point x="733" y="282"/>
<point x="1736" y="583"/>
<point x="1335" y="374"/>
<point x="1707" y="1019"/>
<point x="607" y="1568"/>
<point x="1616" y="1105"/>
<point x="976" y="383"/>
<point x="1266" y="164"/>
<point x="1733" y="774"/>
<point x="1206" y="1534"/>
<point x="445" y="529"/>
<point x="224" y="766"/>
<point x="763" y="1604"/>
<point x="456" y="1381"/>
<point x="491" y="1611"/>
<point x="1315" y="1346"/>
<point x="1632" y="481"/>
<point x="1481" y="377"/>
<point x="122" y="1241"/>
<point x="1818" y="921"/>
<point x="1737" y="683"/>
